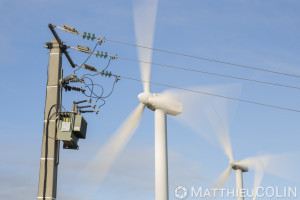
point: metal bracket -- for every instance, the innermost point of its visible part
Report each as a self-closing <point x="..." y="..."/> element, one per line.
<point x="61" y="45"/>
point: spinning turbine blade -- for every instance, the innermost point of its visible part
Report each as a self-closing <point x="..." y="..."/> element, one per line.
<point x="225" y="142"/>
<point x="280" y="165"/>
<point x="106" y="156"/>
<point x="144" y="21"/>
<point x="258" y="176"/>
<point x="217" y="117"/>
<point x="258" y="163"/>
<point x="200" y="110"/>
<point x="223" y="178"/>
<point x="224" y="139"/>
<point x="197" y="106"/>
<point x="283" y="165"/>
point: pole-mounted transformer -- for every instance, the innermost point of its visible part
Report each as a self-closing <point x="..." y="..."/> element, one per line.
<point x="70" y="128"/>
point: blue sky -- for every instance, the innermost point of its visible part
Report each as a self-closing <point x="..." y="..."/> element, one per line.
<point x="256" y="33"/>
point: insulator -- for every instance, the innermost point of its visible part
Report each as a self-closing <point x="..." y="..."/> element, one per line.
<point x="76" y="80"/>
<point x="64" y="114"/>
<point x="67" y="88"/>
<point x="102" y="54"/>
<point x="88" y="36"/>
<point x="79" y="89"/>
<point x="84" y="35"/>
<point x="93" y="37"/>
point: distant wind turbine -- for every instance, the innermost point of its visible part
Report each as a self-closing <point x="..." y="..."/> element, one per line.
<point x="259" y="164"/>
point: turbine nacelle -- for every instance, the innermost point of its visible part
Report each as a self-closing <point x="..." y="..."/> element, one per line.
<point x="157" y="101"/>
<point x="235" y="164"/>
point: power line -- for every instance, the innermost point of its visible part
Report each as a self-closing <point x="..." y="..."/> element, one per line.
<point x="206" y="59"/>
<point x="205" y="93"/>
<point x="211" y="73"/>
<point x="200" y="71"/>
<point x="88" y="36"/>
<point x="211" y="94"/>
<point x="190" y="90"/>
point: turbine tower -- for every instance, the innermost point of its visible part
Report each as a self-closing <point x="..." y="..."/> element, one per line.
<point x="239" y="170"/>
<point x="161" y="105"/>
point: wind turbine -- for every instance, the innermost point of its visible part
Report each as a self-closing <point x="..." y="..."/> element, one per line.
<point x="162" y="105"/>
<point x="259" y="164"/>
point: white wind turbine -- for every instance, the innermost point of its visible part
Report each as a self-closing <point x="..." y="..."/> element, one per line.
<point x="260" y="164"/>
<point x="162" y="105"/>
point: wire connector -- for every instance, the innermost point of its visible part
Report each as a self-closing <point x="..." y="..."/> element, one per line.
<point x="117" y="79"/>
<point x="100" y="41"/>
<point x="83" y="48"/>
<point x="77" y="80"/>
<point x="70" y="29"/>
<point x="113" y="57"/>
<point x="68" y="79"/>
<point x="88" y="67"/>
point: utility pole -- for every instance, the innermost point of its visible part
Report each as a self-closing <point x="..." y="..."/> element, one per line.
<point x="65" y="126"/>
<point x="50" y="146"/>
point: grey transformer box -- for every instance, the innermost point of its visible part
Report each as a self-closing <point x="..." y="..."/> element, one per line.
<point x="70" y="128"/>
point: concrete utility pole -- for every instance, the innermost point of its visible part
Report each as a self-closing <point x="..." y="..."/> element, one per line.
<point x="48" y="184"/>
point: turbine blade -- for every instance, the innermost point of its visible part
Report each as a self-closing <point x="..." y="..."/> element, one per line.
<point x="144" y="21"/>
<point x="222" y="178"/>
<point x="205" y="113"/>
<point x="280" y="165"/>
<point x="258" y="176"/>
<point x="283" y="165"/>
<point x="255" y="162"/>
<point x="224" y="139"/>
<point x="107" y="154"/>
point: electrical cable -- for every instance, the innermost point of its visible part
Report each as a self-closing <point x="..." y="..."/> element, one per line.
<point x="91" y="96"/>
<point x="214" y="74"/>
<point x="210" y="73"/>
<point x="102" y="98"/>
<point x="87" y="57"/>
<point x="206" y="59"/>
<point x="92" y="91"/>
<point x="107" y="64"/>
<point x="186" y="55"/>
<point x="102" y="104"/>
<point x="95" y="74"/>
<point x="100" y="87"/>
<point x="113" y="87"/>
<point x="46" y="145"/>
<point x="211" y="94"/>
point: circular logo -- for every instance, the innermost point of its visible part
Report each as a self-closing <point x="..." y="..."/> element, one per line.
<point x="181" y="192"/>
